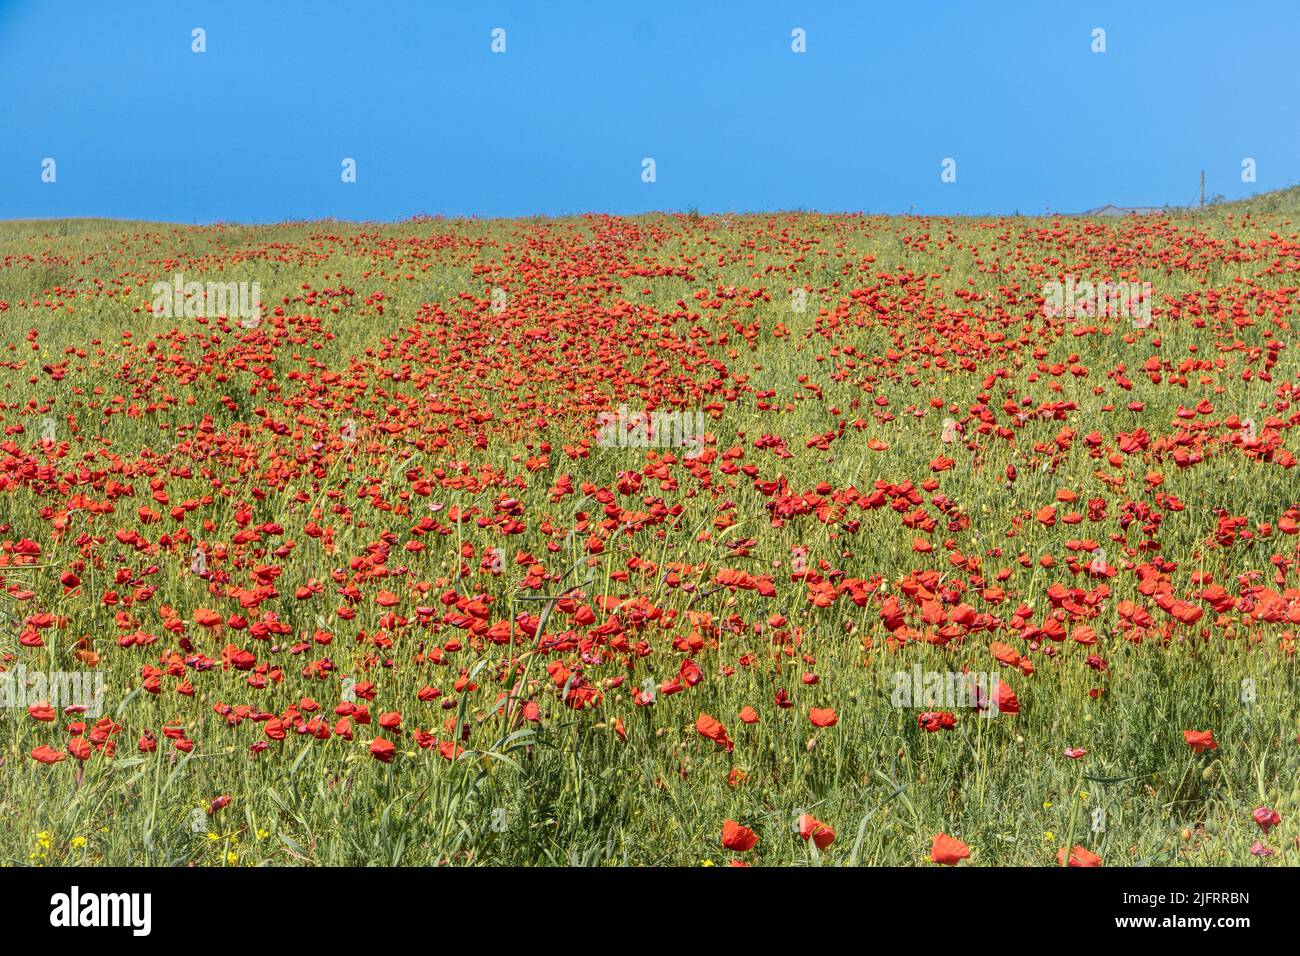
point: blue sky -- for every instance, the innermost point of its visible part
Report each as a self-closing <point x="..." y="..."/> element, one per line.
<point x="255" y="129"/>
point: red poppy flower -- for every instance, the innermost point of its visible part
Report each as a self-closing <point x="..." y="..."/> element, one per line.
<point x="934" y="721"/>
<point x="948" y="851"/>
<point x="42" y="711"/>
<point x="207" y="618"/>
<point x="1078" y="857"/>
<point x="738" y="838"/>
<point x="383" y="750"/>
<point x="823" y="716"/>
<point x="1266" y="819"/>
<point x="812" y="828"/>
<point x="47" y="754"/>
<point x="709" y="727"/>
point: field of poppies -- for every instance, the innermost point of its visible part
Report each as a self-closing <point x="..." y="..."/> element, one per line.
<point x="787" y="539"/>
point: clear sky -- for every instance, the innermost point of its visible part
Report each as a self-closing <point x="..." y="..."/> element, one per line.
<point x="256" y="128"/>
